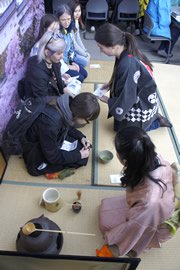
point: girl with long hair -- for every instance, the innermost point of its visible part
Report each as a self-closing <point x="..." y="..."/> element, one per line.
<point x="82" y="56"/>
<point x="67" y="26"/>
<point x="134" y="222"/>
<point x="133" y="92"/>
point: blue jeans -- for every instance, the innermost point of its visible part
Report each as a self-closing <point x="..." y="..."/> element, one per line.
<point x="154" y="125"/>
<point x="81" y="60"/>
<point x="82" y="73"/>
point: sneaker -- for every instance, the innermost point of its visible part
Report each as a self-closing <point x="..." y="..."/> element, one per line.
<point x="93" y="29"/>
<point x="163" y="53"/>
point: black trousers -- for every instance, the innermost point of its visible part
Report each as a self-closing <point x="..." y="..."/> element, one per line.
<point x="34" y="160"/>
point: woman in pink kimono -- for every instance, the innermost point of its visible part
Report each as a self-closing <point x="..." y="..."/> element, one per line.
<point x="134" y="222"/>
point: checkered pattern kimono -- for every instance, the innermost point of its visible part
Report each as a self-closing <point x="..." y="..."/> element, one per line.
<point x="133" y="100"/>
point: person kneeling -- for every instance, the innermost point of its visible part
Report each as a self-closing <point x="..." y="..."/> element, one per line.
<point x="134" y="222"/>
<point x="53" y="143"/>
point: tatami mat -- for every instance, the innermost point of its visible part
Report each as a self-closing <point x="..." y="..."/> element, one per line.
<point x="88" y="87"/>
<point x="17" y="172"/>
<point x="163" y="144"/>
<point x="21" y="203"/>
<point x="167" y="78"/>
<point x="104" y="140"/>
<point x="20" y="193"/>
<point x="165" y="258"/>
<point x="101" y="74"/>
<point x="106" y="135"/>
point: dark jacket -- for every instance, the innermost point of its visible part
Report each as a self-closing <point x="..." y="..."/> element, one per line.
<point x="133" y="99"/>
<point x="45" y="137"/>
<point x="39" y="80"/>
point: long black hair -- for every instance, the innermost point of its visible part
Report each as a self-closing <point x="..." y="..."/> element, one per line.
<point x="73" y="4"/>
<point x="66" y="8"/>
<point x="109" y="35"/>
<point x="135" y="148"/>
<point x="45" y="22"/>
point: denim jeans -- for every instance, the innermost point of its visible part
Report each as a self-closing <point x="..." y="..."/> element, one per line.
<point x="154" y="125"/>
<point x="81" y="60"/>
<point x="82" y="73"/>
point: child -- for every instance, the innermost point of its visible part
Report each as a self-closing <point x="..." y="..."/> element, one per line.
<point x="133" y="91"/>
<point x="66" y="28"/>
<point x="134" y="222"/>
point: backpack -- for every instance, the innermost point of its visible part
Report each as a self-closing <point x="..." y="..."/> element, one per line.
<point x="25" y="114"/>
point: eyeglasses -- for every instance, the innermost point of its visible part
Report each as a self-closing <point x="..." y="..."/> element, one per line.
<point x="86" y="120"/>
<point x="55" y="36"/>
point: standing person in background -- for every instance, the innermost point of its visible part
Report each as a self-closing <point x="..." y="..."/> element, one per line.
<point x="142" y="7"/>
<point x="160" y="13"/>
<point x="139" y="23"/>
<point x="65" y="17"/>
<point x="114" y="4"/>
<point x="175" y="34"/>
<point x="43" y="78"/>
<point x="82" y="56"/>
<point x="133" y="92"/>
<point x="134" y="222"/>
<point x="164" y="46"/>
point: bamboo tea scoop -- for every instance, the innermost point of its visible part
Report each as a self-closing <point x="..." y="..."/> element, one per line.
<point x="29" y="228"/>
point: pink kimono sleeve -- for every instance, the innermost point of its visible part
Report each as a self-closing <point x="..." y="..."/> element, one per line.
<point x="126" y="235"/>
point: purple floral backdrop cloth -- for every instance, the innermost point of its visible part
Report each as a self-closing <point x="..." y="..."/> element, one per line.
<point x="17" y="53"/>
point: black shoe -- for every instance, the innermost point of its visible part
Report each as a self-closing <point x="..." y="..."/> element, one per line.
<point x="164" y="122"/>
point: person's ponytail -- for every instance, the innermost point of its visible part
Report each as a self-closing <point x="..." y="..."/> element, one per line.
<point x="132" y="48"/>
<point x="137" y="151"/>
<point x="110" y="35"/>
